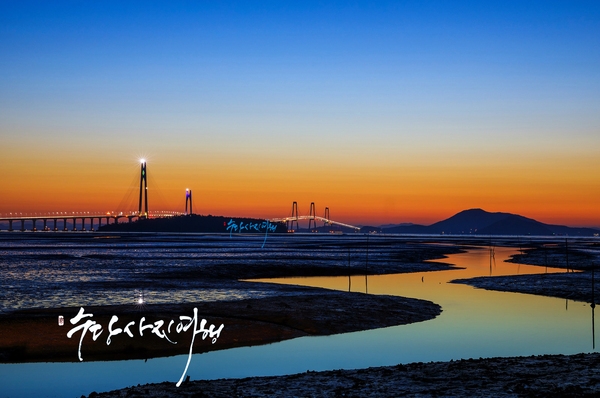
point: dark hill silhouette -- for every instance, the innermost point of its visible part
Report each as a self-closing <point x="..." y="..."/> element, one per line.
<point x="408" y="229"/>
<point x="516" y="225"/>
<point x="193" y="223"/>
<point x="468" y="222"/>
<point x="481" y="222"/>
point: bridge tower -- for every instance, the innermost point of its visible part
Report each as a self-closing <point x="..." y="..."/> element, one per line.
<point x="188" y="198"/>
<point x="294" y="217"/>
<point x="311" y="217"/>
<point x="326" y="217"/>
<point x="143" y="188"/>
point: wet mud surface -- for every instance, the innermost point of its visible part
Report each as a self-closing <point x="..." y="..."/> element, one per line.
<point x="53" y="270"/>
<point x="541" y="376"/>
<point x="34" y="335"/>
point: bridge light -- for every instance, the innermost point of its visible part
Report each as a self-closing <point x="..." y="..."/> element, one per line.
<point x="142" y="160"/>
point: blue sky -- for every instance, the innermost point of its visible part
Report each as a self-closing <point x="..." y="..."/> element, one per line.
<point x="348" y="80"/>
<point x="253" y="58"/>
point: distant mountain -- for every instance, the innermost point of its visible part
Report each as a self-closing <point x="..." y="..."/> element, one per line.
<point x="481" y="222"/>
<point x="468" y="222"/>
<point x="517" y="225"/>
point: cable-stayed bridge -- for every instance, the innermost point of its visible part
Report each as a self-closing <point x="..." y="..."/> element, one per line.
<point x="80" y="221"/>
<point x="312" y="219"/>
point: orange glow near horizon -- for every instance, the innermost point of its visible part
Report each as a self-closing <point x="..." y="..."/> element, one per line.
<point x="382" y="192"/>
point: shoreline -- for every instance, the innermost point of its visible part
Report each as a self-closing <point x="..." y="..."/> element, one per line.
<point x="575" y="284"/>
<point x="535" y="376"/>
<point x="309" y="312"/>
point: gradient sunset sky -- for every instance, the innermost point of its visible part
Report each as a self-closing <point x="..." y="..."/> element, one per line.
<point x="385" y="112"/>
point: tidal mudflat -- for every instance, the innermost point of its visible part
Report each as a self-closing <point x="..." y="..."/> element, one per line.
<point x="366" y="278"/>
<point x="160" y="277"/>
<point x="580" y="259"/>
<point x="163" y="275"/>
<point x="33" y="335"/>
<point x="541" y="376"/>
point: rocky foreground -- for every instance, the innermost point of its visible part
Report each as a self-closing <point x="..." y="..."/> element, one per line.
<point x="541" y="376"/>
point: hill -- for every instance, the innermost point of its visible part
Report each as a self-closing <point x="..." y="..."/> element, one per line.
<point x="197" y="223"/>
<point x="481" y="222"/>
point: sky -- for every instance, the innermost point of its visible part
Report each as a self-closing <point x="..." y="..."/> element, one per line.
<point x="385" y="112"/>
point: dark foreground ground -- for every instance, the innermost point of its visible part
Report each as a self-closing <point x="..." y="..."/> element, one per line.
<point x="542" y="376"/>
<point x="302" y="312"/>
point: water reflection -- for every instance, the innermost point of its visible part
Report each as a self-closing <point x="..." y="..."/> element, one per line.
<point x="593" y="305"/>
<point x="465" y="307"/>
<point x="474" y="263"/>
<point x="492" y="258"/>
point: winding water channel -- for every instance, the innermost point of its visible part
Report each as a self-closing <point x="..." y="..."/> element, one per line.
<point x="474" y="323"/>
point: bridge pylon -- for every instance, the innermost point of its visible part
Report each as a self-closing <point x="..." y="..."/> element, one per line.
<point x="188" y="198"/>
<point x="311" y="216"/>
<point x="326" y="217"/>
<point x="294" y="218"/>
<point x="143" y="188"/>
